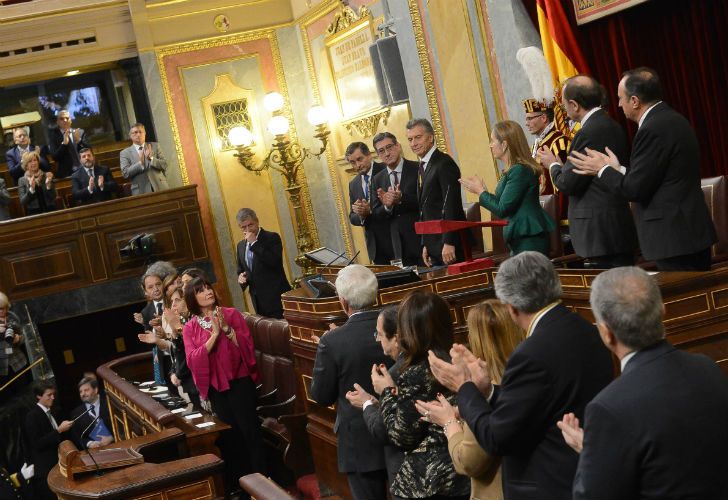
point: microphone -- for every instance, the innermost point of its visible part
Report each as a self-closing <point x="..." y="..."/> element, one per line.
<point x="83" y="442"/>
<point x="444" y="201"/>
<point x="334" y="259"/>
<point x="81" y="415"/>
<point x="354" y="257"/>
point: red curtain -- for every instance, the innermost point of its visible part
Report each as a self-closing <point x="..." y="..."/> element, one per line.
<point x="686" y="43"/>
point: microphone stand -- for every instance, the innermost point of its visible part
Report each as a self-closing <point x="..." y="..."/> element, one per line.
<point x="85" y="445"/>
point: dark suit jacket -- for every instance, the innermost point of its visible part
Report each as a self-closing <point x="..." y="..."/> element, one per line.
<point x="267" y="280"/>
<point x="43" y="443"/>
<point x="664" y="181"/>
<point x="33" y="203"/>
<point x="345" y="356"/>
<point x="376" y="230"/>
<point x="440" y="198"/>
<point x="64" y="154"/>
<point x="402" y="217"/>
<point x="600" y="221"/>
<point x="79" y="180"/>
<point x="13" y="157"/>
<point x="657" y="431"/>
<point x="558" y="369"/>
<point x="82" y="424"/>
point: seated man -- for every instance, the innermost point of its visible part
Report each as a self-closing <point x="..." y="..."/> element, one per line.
<point x="91" y="418"/>
<point x="14" y="155"/>
<point x="658" y="430"/>
<point x="92" y="184"/>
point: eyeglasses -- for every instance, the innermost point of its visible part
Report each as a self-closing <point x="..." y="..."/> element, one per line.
<point x="530" y="118"/>
<point x="376" y="335"/>
<point x="386" y="149"/>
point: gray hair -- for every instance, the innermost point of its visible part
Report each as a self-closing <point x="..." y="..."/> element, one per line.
<point x="160" y="269"/>
<point x="357" y="285"/>
<point x="246" y="213"/>
<point x="628" y="301"/>
<point x="528" y="282"/>
<point x="422" y="122"/>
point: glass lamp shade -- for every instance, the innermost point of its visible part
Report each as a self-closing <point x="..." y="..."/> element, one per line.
<point x="273" y="102"/>
<point x="278" y="125"/>
<point x="318" y="115"/>
<point x="240" y="136"/>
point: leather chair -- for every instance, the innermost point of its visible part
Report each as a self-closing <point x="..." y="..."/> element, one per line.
<point x="715" y="191"/>
<point x="550" y="205"/>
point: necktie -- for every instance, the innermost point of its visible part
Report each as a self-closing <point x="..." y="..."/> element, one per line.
<point x="158" y="378"/>
<point x="159" y="308"/>
<point x="91" y="410"/>
<point x="52" y="420"/>
<point x="421" y="174"/>
<point x="366" y="186"/>
<point x="90" y="172"/>
<point x="396" y="178"/>
<point x="249" y="256"/>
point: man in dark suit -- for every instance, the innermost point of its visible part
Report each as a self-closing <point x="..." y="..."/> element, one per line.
<point x="600" y="221"/>
<point x="90" y="183"/>
<point x="362" y="197"/>
<point x="43" y="435"/>
<point x="14" y="155"/>
<point x="396" y="200"/>
<point x="658" y="430"/>
<point x="438" y="193"/>
<point x="87" y="433"/>
<point x="673" y="223"/>
<point x="65" y="142"/>
<point x="260" y="265"/>
<point x="560" y="366"/>
<point x="345" y="356"/>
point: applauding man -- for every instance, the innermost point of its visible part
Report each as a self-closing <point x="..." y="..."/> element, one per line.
<point x="143" y="163"/>
<point x="92" y="183"/>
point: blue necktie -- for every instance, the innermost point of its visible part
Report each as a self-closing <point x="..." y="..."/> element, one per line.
<point x="366" y="186"/>
<point x="158" y="377"/>
<point x="249" y="256"/>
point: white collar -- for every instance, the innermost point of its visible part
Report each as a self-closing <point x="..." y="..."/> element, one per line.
<point x="623" y="362"/>
<point x="398" y="168"/>
<point x="545" y="131"/>
<point x="137" y="146"/>
<point x="588" y="114"/>
<point x="644" y="115"/>
<point x="540" y="315"/>
<point x="44" y="408"/>
<point x="426" y="159"/>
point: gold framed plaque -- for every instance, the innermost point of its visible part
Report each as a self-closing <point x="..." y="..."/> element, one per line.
<point x="590" y="10"/>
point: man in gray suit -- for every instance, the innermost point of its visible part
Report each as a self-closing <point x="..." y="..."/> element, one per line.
<point x="143" y="163"/>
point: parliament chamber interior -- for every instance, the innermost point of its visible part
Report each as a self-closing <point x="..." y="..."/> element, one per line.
<point x="175" y="169"/>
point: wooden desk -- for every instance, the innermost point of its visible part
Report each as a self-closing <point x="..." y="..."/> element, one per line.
<point x="134" y="413"/>
<point x="696" y="320"/>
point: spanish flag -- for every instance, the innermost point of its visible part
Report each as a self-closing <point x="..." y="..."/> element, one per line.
<point x="559" y="45"/>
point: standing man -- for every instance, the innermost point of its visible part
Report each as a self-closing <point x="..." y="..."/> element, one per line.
<point x="345" y="356"/>
<point x="673" y="223"/>
<point x="260" y="265"/>
<point x="631" y="449"/>
<point x="560" y="367"/>
<point x="438" y="193"/>
<point x="396" y="201"/>
<point x="43" y="435"/>
<point x="91" y="183"/>
<point x="14" y="155"/>
<point x="143" y="163"/>
<point x="86" y="432"/>
<point x="362" y="196"/>
<point x="600" y="221"/>
<point x="65" y="144"/>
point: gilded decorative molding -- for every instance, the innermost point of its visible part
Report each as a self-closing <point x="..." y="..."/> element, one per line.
<point x="367" y="125"/>
<point x="428" y="79"/>
<point x="345" y="18"/>
<point x="342" y="210"/>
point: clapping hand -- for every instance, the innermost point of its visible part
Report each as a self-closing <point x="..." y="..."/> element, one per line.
<point x="573" y="434"/>
<point x="547" y="157"/>
<point x="381" y="379"/>
<point x="439" y="411"/>
<point x="361" y="208"/>
<point x="474" y="184"/>
<point x="139" y="318"/>
<point x="358" y="396"/>
<point x="590" y="162"/>
<point x="101" y="181"/>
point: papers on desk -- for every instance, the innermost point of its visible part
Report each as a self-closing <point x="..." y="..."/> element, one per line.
<point x="146" y="384"/>
<point x="154" y="389"/>
<point x="193" y="416"/>
<point x="205" y="424"/>
<point x="179" y="410"/>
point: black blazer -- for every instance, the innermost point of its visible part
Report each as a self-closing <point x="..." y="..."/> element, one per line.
<point x="79" y="181"/>
<point x="64" y="154"/>
<point x="664" y="181"/>
<point x="405" y="242"/>
<point x="267" y="280"/>
<point x="376" y="230"/>
<point x="13" y="158"/>
<point x="600" y="221"/>
<point x="42" y="440"/>
<point x="558" y="369"/>
<point x="345" y="356"/>
<point x="440" y="198"/>
<point x="43" y="200"/>
<point x="82" y="424"/>
<point x="657" y="431"/>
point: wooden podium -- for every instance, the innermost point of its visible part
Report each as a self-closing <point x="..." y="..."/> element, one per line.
<point x="462" y="227"/>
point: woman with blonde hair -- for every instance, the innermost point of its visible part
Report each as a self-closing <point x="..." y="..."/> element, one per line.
<point x="493" y="336"/>
<point x="36" y="189"/>
<point x="516" y="195"/>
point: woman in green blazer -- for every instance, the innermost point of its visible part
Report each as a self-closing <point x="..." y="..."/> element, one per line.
<point x="516" y="195"/>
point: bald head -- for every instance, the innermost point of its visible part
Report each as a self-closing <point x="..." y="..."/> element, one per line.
<point x="581" y="94"/>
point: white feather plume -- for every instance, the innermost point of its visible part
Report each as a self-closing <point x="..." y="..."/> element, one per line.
<point x="537" y="69"/>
